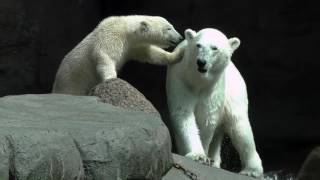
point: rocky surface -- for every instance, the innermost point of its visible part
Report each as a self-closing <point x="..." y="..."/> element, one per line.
<point x="74" y="137"/>
<point x="310" y="169"/>
<point x="120" y="93"/>
<point x="199" y="171"/>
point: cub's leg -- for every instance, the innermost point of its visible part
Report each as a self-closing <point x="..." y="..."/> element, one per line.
<point x="238" y="128"/>
<point x="155" y="55"/>
<point x="105" y="66"/>
<point x="181" y="108"/>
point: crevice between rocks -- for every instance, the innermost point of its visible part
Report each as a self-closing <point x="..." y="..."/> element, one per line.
<point x="13" y="173"/>
<point x="82" y="168"/>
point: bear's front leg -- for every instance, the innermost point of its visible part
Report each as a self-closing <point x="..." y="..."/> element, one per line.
<point x="155" y="55"/>
<point x="240" y="132"/>
<point x="186" y="132"/>
<point x="105" y="67"/>
<point x="187" y="136"/>
<point x="215" y="148"/>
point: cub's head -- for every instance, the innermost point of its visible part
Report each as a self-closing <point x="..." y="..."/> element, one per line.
<point x="158" y="31"/>
<point x="209" y="50"/>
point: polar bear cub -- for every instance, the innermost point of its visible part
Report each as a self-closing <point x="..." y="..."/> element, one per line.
<point x="207" y="97"/>
<point x="116" y="39"/>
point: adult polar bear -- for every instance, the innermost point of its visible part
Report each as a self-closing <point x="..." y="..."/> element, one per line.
<point x="111" y="44"/>
<point x="207" y="97"/>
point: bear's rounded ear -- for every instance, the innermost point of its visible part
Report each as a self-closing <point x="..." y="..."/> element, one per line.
<point x="189" y="34"/>
<point x="234" y="43"/>
<point x="144" y="27"/>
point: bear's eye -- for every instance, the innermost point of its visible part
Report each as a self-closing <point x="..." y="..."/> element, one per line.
<point x="169" y="29"/>
<point x="198" y="45"/>
<point x="214" y="48"/>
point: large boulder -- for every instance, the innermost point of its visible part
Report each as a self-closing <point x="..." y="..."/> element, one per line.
<point x="53" y="136"/>
<point x="186" y="169"/>
<point x="310" y="169"/>
<point x="120" y="93"/>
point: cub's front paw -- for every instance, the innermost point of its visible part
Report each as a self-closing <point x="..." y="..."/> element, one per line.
<point x="199" y="157"/>
<point x="177" y="55"/>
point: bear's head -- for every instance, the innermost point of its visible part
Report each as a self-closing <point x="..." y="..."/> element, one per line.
<point x="209" y="50"/>
<point x="158" y="31"/>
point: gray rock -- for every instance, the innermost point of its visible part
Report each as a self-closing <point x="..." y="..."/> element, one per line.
<point x="53" y="136"/>
<point x="43" y="154"/>
<point x="201" y="172"/>
<point x="120" y="93"/>
<point x="4" y="159"/>
<point x="311" y="167"/>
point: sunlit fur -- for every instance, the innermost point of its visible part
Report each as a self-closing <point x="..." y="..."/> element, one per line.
<point x="117" y="39"/>
<point x="204" y="106"/>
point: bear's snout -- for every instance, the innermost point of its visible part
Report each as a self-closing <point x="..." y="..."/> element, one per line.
<point x="201" y="63"/>
<point x="175" y="41"/>
<point x="180" y="38"/>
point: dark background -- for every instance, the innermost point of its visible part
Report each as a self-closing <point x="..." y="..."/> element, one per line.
<point x="278" y="58"/>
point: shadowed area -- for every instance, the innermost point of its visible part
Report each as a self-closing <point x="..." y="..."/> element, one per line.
<point x="278" y="58"/>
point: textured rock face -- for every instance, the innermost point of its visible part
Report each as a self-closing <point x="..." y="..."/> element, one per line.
<point x="120" y="93"/>
<point x="311" y="167"/>
<point x="35" y="154"/>
<point x="202" y="172"/>
<point x="74" y="137"/>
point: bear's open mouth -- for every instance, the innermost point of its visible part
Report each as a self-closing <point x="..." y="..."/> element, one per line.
<point x="202" y="70"/>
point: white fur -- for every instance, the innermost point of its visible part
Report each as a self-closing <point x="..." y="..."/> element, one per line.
<point x="117" y="39"/>
<point x="204" y="106"/>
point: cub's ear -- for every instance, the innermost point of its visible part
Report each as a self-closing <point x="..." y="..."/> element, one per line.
<point x="234" y="43"/>
<point x="144" y="26"/>
<point x="189" y="34"/>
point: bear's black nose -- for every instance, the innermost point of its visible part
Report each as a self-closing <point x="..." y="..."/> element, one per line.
<point x="201" y="63"/>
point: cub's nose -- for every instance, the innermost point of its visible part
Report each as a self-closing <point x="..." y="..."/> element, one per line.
<point x="201" y="63"/>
